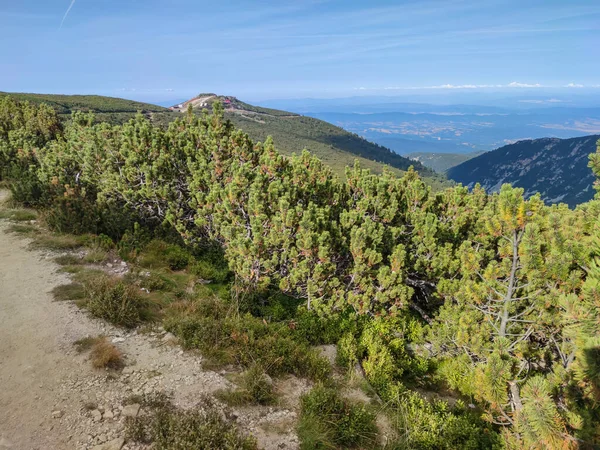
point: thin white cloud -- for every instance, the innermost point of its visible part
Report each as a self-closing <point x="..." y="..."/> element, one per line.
<point x="516" y="84"/>
<point x="539" y="102"/>
<point x="66" y="14"/>
<point x="574" y="85"/>
<point x="513" y="84"/>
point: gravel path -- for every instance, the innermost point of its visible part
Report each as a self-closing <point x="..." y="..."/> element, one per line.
<point x="51" y="398"/>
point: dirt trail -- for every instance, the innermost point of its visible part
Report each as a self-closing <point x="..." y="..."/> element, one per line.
<point x="51" y="398"/>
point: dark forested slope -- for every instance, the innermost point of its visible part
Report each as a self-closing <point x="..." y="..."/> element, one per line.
<point x="556" y="168"/>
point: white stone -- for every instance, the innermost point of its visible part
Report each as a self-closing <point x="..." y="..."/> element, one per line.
<point x="115" y="444"/>
<point x="131" y="410"/>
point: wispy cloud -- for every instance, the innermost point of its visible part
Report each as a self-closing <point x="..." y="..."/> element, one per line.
<point x="574" y="85"/>
<point x="66" y="14"/>
<point x="539" y="102"/>
<point x="514" y="84"/>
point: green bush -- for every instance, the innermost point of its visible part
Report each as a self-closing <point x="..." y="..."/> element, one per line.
<point x="115" y="301"/>
<point x="339" y="423"/>
<point x="209" y="271"/>
<point x="420" y="424"/>
<point x="161" y="254"/>
<point x="72" y="215"/>
<point x="347" y="351"/>
<point x="155" y="281"/>
<point x="25" y="186"/>
<point x="223" y="336"/>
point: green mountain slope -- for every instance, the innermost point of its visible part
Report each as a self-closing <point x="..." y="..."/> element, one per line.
<point x="108" y="109"/>
<point x="293" y="132"/>
<point x="556" y="168"/>
<point x="441" y="162"/>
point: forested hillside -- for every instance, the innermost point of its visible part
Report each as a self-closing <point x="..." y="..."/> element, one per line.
<point x="557" y="169"/>
<point x="441" y="162"/>
<point x="473" y="320"/>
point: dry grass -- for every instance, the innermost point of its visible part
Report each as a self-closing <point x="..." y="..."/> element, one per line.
<point x="105" y="355"/>
<point x="19" y="215"/>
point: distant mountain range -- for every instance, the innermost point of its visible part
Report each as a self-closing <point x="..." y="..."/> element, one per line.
<point x="556" y="168"/>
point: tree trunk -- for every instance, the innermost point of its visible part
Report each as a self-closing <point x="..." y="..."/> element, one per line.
<point x="512" y="281"/>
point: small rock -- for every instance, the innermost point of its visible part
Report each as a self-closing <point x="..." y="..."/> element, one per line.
<point x="108" y="415"/>
<point x="131" y="410"/>
<point x="128" y="370"/>
<point x="123" y="264"/>
<point x="117" y="340"/>
<point x="115" y="444"/>
<point x="96" y="415"/>
<point x="57" y="414"/>
<point x="109" y="265"/>
<point x="168" y="337"/>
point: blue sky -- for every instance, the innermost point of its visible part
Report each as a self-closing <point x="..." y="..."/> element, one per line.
<point x="172" y="49"/>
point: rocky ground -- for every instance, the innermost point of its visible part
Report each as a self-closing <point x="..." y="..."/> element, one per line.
<point x="52" y="398"/>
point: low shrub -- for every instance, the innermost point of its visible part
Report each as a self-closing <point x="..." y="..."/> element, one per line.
<point x="155" y="281"/>
<point x="347" y="351"/>
<point x="105" y="355"/>
<point x="329" y="421"/>
<point x="225" y="337"/>
<point x="75" y="215"/>
<point x="25" y="186"/>
<point x="168" y="428"/>
<point x="159" y="254"/>
<point x="419" y="423"/>
<point x="209" y="271"/>
<point x="115" y="301"/>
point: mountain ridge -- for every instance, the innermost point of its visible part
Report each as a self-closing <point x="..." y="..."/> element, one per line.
<point x="556" y="168"/>
<point x="293" y="132"/>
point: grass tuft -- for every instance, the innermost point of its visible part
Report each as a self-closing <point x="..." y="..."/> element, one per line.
<point x="169" y="428"/>
<point x="23" y="229"/>
<point x="68" y="260"/>
<point x="95" y="255"/>
<point x="68" y="292"/>
<point x="59" y="241"/>
<point x="105" y="355"/>
<point x="18" y="215"/>
<point x="256" y="388"/>
<point x="329" y="421"/>
<point x="112" y="300"/>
